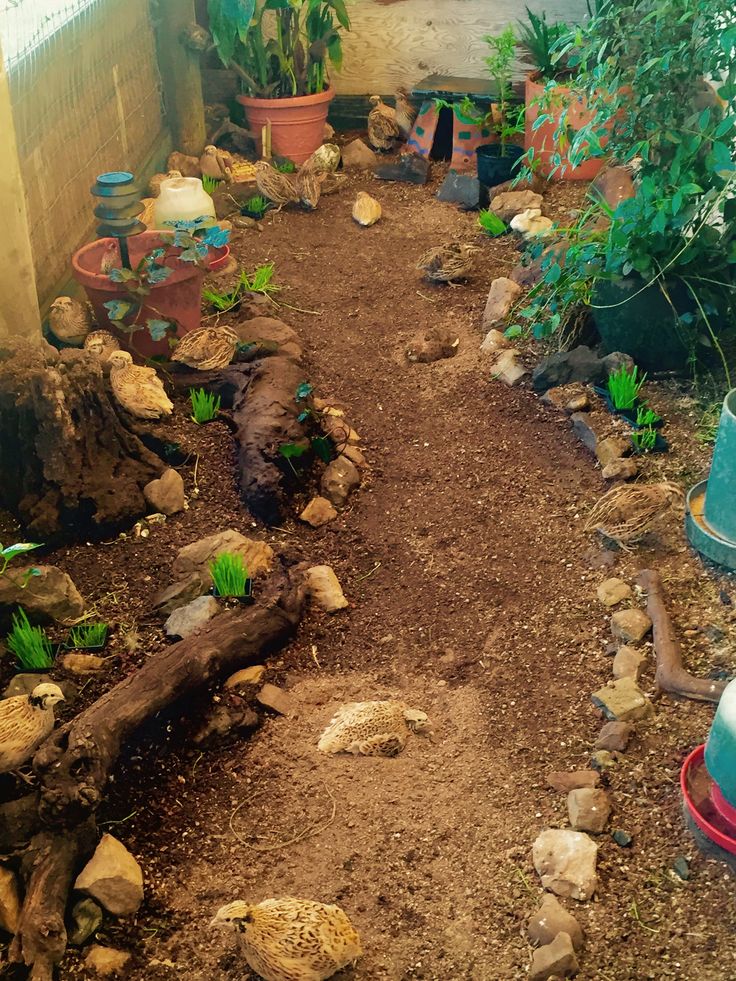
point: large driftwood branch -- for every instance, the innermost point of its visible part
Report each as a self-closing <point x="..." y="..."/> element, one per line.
<point x="670" y="675"/>
<point x="74" y="764"/>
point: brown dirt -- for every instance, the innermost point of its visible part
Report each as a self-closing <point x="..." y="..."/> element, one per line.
<point x="472" y="592"/>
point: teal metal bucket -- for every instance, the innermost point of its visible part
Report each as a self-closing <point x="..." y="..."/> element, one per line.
<point x="720" y="499"/>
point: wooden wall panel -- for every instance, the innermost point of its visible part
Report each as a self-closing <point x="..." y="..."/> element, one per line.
<point x="400" y="42"/>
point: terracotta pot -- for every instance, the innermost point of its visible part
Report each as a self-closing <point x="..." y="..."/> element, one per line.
<point x="542" y="139"/>
<point x="177" y="299"/>
<point x="297" y="124"/>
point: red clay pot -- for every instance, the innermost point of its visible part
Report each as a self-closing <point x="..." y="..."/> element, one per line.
<point x="297" y="124"/>
<point x="542" y="139"/>
<point x="177" y="299"/>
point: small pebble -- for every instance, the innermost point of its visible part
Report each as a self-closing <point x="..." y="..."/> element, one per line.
<point x="681" y="867"/>
<point x="622" y="838"/>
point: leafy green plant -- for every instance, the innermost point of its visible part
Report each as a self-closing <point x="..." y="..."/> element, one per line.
<point x="285" y="166"/>
<point x="86" y="636"/>
<point x="205" y="405"/>
<point x="256" y="206"/>
<point x="646" y="417"/>
<point x="31" y="646"/>
<point x="279" y="48"/>
<point x="490" y="223"/>
<point x="508" y="120"/>
<point x="644" y="440"/>
<point x="539" y="39"/>
<point x="11" y="552"/>
<point x="624" y="387"/>
<point x="210" y="184"/>
<point x="229" y="574"/>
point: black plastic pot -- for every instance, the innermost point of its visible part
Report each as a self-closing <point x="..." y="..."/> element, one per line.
<point x="492" y="167"/>
<point x="639" y="320"/>
<point x="244" y="600"/>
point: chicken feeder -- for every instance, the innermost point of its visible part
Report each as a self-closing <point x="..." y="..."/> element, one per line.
<point x="710" y="516"/>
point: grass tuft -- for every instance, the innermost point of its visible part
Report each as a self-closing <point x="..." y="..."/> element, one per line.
<point x="205" y="405"/>
<point x="31" y="646"/>
<point x="229" y="574"/>
<point x="624" y="387"/>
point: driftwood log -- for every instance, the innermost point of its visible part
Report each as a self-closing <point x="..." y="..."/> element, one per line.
<point x="670" y="675"/>
<point x="69" y="464"/>
<point x="73" y="766"/>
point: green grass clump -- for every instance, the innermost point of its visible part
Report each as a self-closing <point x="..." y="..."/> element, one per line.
<point x="229" y="574"/>
<point x="646" y="417"/>
<point x="259" y="281"/>
<point x="87" y="635"/>
<point x="491" y="223"/>
<point x="644" y="440"/>
<point x="257" y="204"/>
<point x="205" y="405"/>
<point x="31" y="646"/>
<point x="624" y="387"/>
<point x="285" y="167"/>
<point x="210" y="184"/>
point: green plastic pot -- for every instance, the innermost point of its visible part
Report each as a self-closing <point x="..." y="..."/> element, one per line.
<point x="639" y="320"/>
<point x="720" y="498"/>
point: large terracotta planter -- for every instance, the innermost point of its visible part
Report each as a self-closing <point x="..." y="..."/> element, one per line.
<point x="297" y="124"/>
<point x="542" y="139"/>
<point x="177" y="299"/>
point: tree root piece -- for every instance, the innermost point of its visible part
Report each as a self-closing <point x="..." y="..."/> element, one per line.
<point x="670" y="675"/>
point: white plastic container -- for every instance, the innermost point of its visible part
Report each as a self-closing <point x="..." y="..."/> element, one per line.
<point x="182" y="199"/>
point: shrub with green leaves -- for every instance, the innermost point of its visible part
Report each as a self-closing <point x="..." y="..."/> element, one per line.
<point x="229" y="574"/>
<point x="491" y="224"/>
<point x="31" y="646"/>
<point x="205" y="405"/>
<point x="87" y="635"/>
<point x="624" y="387"/>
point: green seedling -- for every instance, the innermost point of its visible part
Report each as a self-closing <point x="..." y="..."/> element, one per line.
<point x="624" y="387"/>
<point x="229" y="574"/>
<point x="205" y="405"/>
<point x="491" y="224"/>
<point x="87" y="635"/>
<point x="31" y="646"/>
<point x="260" y="281"/>
<point x="210" y="184"/>
<point x="646" y="417"/>
<point x="644" y="440"/>
<point x="11" y="551"/>
<point x="257" y="204"/>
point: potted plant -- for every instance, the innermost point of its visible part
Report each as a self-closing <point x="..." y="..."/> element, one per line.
<point x="281" y="50"/>
<point x="496" y="160"/>
<point x="86" y="637"/>
<point x="158" y="298"/>
<point x="205" y="406"/>
<point x="230" y="579"/>
<point x="31" y="646"/>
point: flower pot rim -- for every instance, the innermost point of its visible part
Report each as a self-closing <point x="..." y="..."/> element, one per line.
<point x="326" y="95"/>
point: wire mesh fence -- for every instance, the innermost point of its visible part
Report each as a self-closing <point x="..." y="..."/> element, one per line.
<point x="86" y="98"/>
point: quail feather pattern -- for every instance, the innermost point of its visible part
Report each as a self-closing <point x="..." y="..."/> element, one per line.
<point x="626" y="513"/>
<point x="275" y="186"/>
<point x="102" y="344"/>
<point x="70" y="320"/>
<point x="137" y="389"/>
<point x="25" y="721"/>
<point x="292" y="939"/>
<point x="378" y="728"/>
<point x="207" y="348"/>
<point x="405" y="112"/>
<point x="382" y="126"/>
<point x="446" y="263"/>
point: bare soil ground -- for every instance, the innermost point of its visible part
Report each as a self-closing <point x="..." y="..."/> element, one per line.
<point x="472" y="591"/>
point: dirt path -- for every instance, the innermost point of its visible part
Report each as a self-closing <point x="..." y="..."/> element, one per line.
<point x="481" y="613"/>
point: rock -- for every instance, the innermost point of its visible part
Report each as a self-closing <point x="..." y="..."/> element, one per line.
<point x="588" y="429"/>
<point x="628" y="663"/>
<point x="536" y="183"/>
<point x="434" y="344"/>
<point x="508" y="204"/>
<point x="324" y="589"/>
<point x="194" y="559"/>
<point x="622" y="838"/>
<point x="613" y="591"/>
<point x="550" y="919"/>
<point x="615" y="361"/>
<point x="531" y="224"/>
<point x="528" y="272"/>
<point x="112" y="877"/>
<point x="339" y="480"/>
<point x="179" y="593"/>
<point x="581" y="365"/>
<point x="613" y="185"/>
<point x="269" y="335"/>
<point x="411" y="169"/>
<point x="246" y="677"/>
<point x="82" y="663"/>
<point x="187" y="620"/>
<point x="624" y="469"/>
<point x="463" y="189"/>
<point x="355" y="455"/>
<point x="623" y="700"/>
<point x="501" y="297"/>
<point x="588" y="809"/>
<point x="358" y="156"/>
<point x="565" y="781"/>
<point x="681" y="868"/>
<point x="614" y="737"/>
<point x="166" y="495"/>
<point x="340" y="431"/>
<point x="9" y="901"/>
<point x="568" y="398"/>
<point x="318" y="512"/>
<point x="566" y="863"/>
<point x="232" y="715"/>
<point x="612" y="449"/>
<point x="630" y="626"/>
<point x="277" y="699"/>
<point x="106" y="960"/>
<point x="505" y="368"/>
<point x="555" y="960"/>
<point x="51" y="595"/>
<point x="86" y="919"/>
<point x="494" y="341"/>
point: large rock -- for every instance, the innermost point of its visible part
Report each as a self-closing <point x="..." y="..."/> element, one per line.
<point x="566" y="863"/>
<point x="588" y="428"/>
<point x="9" y="901"/>
<point x="318" y="512"/>
<point x="501" y="297"/>
<point x="623" y="700"/>
<point x="588" y="809"/>
<point x="611" y="449"/>
<point x="23" y="684"/>
<point x="411" y="168"/>
<point x="51" y="595"/>
<point x="568" y="398"/>
<point x="581" y="365"/>
<point x="275" y="698"/>
<point x="630" y="626"/>
<point x="187" y="620"/>
<point x="106" y="961"/>
<point x="339" y="480"/>
<point x="506" y="369"/>
<point x="493" y="342"/>
<point x="194" y="559"/>
<point x="508" y="204"/>
<point x="166" y="495"/>
<point x="179" y="593"/>
<point x="112" y="877"/>
<point x="324" y="589"/>
<point x="550" y="919"/>
<point x="358" y="156"/>
<point x="613" y="591"/>
<point x="614" y="737"/>
<point x="628" y="663"/>
<point x="464" y="190"/>
<point x="622" y="469"/>
<point x="564" y="780"/>
<point x="555" y="960"/>
<point x="82" y="664"/>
